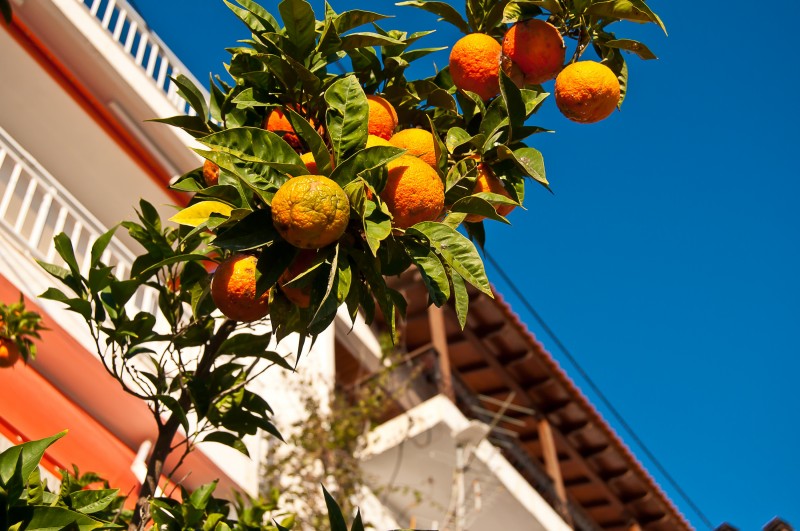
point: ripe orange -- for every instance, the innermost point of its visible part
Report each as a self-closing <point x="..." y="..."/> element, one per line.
<point x="475" y="65"/>
<point x="310" y="211"/>
<point x="487" y="181"/>
<point x="210" y="173"/>
<point x="9" y="353"/>
<point x="299" y="296"/>
<point x="373" y="140"/>
<point x="233" y="289"/>
<point x="382" y="117"/>
<point x="414" y="192"/>
<point x="587" y="92"/>
<point x="417" y="142"/>
<point x="537" y="48"/>
<point x="279" y="124"/>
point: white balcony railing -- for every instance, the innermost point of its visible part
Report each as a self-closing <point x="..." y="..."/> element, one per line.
<point x="34" y="208"/>
<point x="144" y="47"/>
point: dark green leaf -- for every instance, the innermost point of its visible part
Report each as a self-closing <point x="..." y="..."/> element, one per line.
<point x="92" y="501"/>
<point x="334" y="512"/>
<point x="31" y="453"/>
<point x="529" y="160"/>
<point x="632" y="46"/>
<point x="634" y="10"/>
<point x="347" y="117"/>
<point x="191" y="94"/>
<point x="298" y="16"/>
<point x="457" y="251"/>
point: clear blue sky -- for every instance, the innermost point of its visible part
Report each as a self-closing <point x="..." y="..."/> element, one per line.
<point x="668" y="260"/>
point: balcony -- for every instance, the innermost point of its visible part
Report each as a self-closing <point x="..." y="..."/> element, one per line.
<point x="35" y="207"/>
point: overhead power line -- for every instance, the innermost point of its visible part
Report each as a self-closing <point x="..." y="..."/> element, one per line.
<point x="613" y="410"/>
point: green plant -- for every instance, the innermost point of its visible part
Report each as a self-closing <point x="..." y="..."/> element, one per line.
<point x="18" y="328"/>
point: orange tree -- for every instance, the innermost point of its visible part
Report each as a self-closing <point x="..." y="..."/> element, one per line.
<point x="317" y="92"/>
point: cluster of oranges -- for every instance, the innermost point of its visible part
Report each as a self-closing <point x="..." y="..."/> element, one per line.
<point x="312" y="211"/>
<point x="533" y="52"/>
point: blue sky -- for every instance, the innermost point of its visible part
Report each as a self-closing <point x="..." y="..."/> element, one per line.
<point x="667" y="260"/>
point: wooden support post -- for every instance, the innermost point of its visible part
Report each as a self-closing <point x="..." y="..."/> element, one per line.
<point x="439" y="340"/>
<point x="550" y="454"/>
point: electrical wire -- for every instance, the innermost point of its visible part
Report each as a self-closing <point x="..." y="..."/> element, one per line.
<point x="613" y="410"/>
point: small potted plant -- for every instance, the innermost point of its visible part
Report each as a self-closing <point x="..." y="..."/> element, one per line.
<point x="18" y="328"/>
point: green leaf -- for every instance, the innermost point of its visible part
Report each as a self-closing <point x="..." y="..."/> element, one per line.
<point x="311" y="137"/>
<point x="482" y="205"/>
<point x="358" y="525"/>
<point x="632" y="46"/>
<point x="457" y="251"/>
<point x="633" y="10"/>
<point x="377" y="226"/>
<point x="347" y="117"/>
<point x="194" y="125"/>
<point x="529" y="160"/>
<point x="253" y="144"/>
<point x="175" y="407"/>
<point x="254" y="231"/>
<point x="363" y="161"/>
<point x="31" y="453"/>
<point x="245" y="344"/>
<point x="447" y="12"/>
<point x="361" y="40"/>
<point x="201" y="496"/>
<point x="199" y="213"/>
<point x="191" y="94"/>
<point x="298" y="16"/>
<point x="355" y="18"/>
<point x="99" y="246"/>
<point x="258" y="19"/>
<point x="46" y="518"/>
<point x="461" y="297"/>
<point x="334" y="512"/>
<point x="64" y="248"/>
<point x="92" y="501"/>
<point x="517" y="10"/>
<point x="433" y="272"/>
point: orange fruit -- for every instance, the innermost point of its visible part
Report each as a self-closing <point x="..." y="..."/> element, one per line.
<point x="310" y="211"/>
<point x="487" y="181"/>
<point x="299" y="296"/>
<point x="279" y="124"/>
<point x="587" y="92"/>
<point x="9" y="353"/>
<point x="475" y="65"/>
<point x="413" y="192"/>
<point x="417" y="142"/>
<point x="382" y="117"/>
<point x="210" y="173"/>
<point x="373" y="140"/>
<point x="233" y="289"/>
<point x="537" y="48"/>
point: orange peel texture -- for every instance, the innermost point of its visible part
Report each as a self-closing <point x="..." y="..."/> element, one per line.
<point x="417" y="142"/>
<point x="413" y="192"/>
<point x="382" y="117"/>
<point x="587" y="92"/>
<point x="310" y="211"/>
<point x="475" y="65"/>
<point x="537" y="48"/>
<point x="233" y="289"/>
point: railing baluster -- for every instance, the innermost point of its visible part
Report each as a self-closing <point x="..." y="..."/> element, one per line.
<point x="10" y="189"/>
<point x="121" y="18"/>
<point x="162" y="72"/>
<point x="95" y="7"/>
<point x="151" y="62"/>
<point x="2" y="156"/>
<point x="41" y="219"/>
<point x="142" y="47"/>
<point x="132" y="29"/>
<point x="112" y="4"/>
<point x="25" y="206"/>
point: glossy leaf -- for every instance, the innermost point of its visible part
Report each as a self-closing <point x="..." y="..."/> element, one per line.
<point x="347" y="117"/>
<point x="631" y="46"/>
<point x="634" y="10"/>
<point x="459" y="253"/>
<point x="444" y="10"/>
